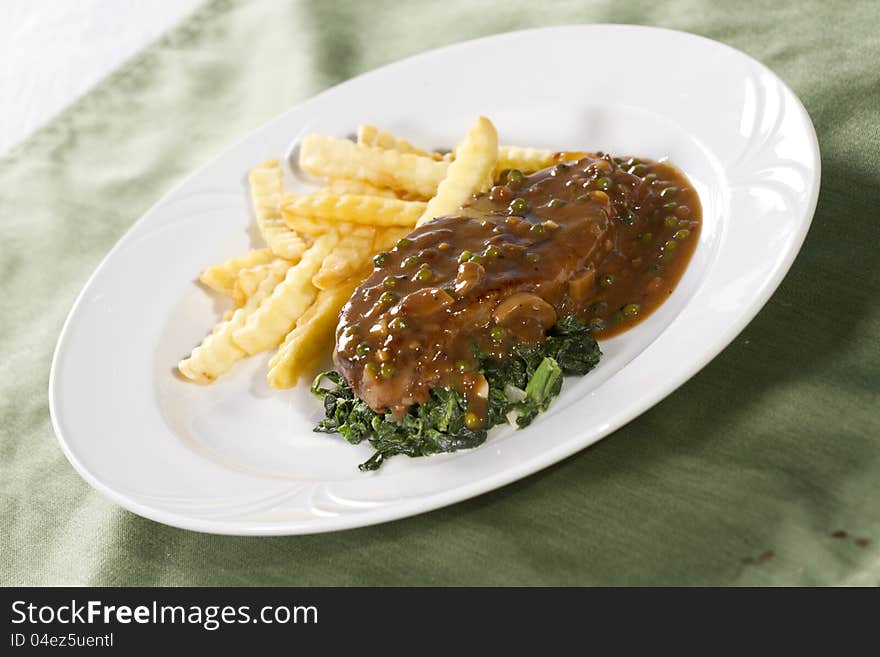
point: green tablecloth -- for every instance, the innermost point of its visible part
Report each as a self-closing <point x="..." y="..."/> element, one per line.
<point x="740" y="477"/>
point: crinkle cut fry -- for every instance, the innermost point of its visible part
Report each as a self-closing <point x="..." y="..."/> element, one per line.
<point x="266" y="193"/>
<point x="221" y="277"/>
<point x="351" y="254"/>
<point x="353" y="208"/>
<point x="268" y="325"/>
<point x="469" y="172"/>
<point x="218" y="352"/>
<point x="370" y="135"/>
<point x="249" y="281"/>
<point x="313" y="336"/>
<point x="386" y="238"/>
<point x="329" y="157"/>
<point x="529" y="160"/>
<point x="351" y="186"/>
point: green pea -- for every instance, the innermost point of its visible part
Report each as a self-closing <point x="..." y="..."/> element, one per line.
<point x="633" y="161"/>
<point x="670" y="244"/>
<point x="389" y="282"/>
<point x="387" y="370"/>
<point x="402" y="243"/>
<point x="646" y="238"/>
<point x="380" y="259"/>
<point x="596" y="324"/>
<point x="532" y="257"/>
<point x="682" y="234"/>
<point x="616" y="317"/>
<point x="536" y="228"/>
<point x="477" y="259"/>
<point x="638" y="170"/>
<point x="398" y="324"/>
<point x="472" y="421"/>
<point x="651" y="177"/>
<point x="410" y="261"/>
<point x="631" y="310"/>
<point x="668" y="192"/>
<point x="671" y="222"/>
<point x="350" y="331"/>
<point x="627" y="217"/>
<point x="492" y="251"/>
<point x="598" y="308"/>
<point x="668" y="254"/>
<point x="518" y="206"/>
<point x="362" y="349"/>
<point x="619" y="160"/>
<point x="498" y="333"/>
<point x="515" y="178"/>
<point x="465" y="256"/>
<point x="462" y="366"/>
<point x="556" y="203"/>
<point x="388" y="297"/>
<point x="606" y="280"/>
<point x="603" y="183"/>
<point x="424" y="274"/>
<point x="372" y="367"/>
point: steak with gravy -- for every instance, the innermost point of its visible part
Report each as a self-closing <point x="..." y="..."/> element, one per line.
<point x="591" y="239"/>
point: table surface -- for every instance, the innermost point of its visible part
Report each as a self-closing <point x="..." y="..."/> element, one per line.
<point x="53" y="52"/>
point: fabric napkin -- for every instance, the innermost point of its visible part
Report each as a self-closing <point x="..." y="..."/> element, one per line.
<point x="762" y="469"/>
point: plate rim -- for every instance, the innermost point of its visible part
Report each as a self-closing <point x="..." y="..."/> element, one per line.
<point x="430" y="502"/>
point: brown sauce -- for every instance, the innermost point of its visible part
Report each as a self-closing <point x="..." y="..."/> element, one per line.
<point x="603" y="239"/>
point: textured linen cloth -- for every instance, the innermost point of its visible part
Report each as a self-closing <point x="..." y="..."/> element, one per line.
<point x="742" y="476"/>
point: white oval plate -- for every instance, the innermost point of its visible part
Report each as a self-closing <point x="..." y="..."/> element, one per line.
<point x="239" y="458"/>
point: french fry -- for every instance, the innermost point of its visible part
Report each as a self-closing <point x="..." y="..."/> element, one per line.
<point x="248" y="282"/>
<point x="312" y="338"/>
<point x="222" y="277"/>
<point x="388" y="237"/>
<point x="320" y="245"/>
<point x="218" y="352"/>
<point x="529" y="160"/>
<point x="350" y="186"/>
<point x="329" y="157"/>
<point x="350" y="255"/>
<point x="266" y="191"/>
<point x="412" y="196"/>
<point x="370" y="135"/>
<point x="315" y="227"/>
<point x="268" y="324"/>
<point x="312" y="227"/>
<point x="470" y="171"/>
<point x="353" y="208"/>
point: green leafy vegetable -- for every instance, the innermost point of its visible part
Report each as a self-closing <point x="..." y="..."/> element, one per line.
<point x="520" y="387"/>
<point x="542" y="389"/>
<point x="572" y="345"/>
